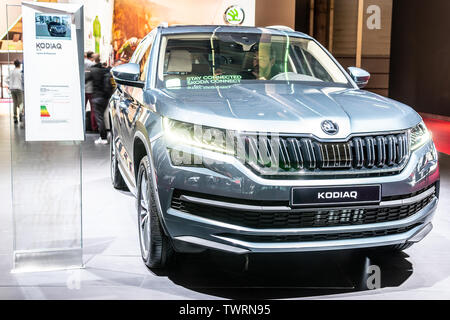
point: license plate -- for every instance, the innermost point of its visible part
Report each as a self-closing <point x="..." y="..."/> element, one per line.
<point x="319" y="196"/>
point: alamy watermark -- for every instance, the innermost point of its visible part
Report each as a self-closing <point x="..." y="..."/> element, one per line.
<point x="373" y="280"/>
<point x="374" y="20"/>
<point x="73" y="281"/>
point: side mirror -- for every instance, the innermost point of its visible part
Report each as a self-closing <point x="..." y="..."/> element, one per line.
<point x="360" y="76"/>
<point x="128" y="75"/>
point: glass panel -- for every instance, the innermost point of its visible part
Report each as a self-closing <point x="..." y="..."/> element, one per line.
<point x="232" y="57"/>
<point x="46" y="203"/>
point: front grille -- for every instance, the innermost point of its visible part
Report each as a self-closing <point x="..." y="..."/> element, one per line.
<point x="295" y="155"/>
<point x="320" y="237"/>
<point x="297" y="218"/>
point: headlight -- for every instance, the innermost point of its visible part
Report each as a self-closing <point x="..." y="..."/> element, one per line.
<point x="214" y="139"/>
<point x="419" y="136"/>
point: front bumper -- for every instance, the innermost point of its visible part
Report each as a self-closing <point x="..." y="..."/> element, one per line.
<point x="229" y="178"/>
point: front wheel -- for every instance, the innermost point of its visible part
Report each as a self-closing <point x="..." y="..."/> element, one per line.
<point x="156" y="249"/>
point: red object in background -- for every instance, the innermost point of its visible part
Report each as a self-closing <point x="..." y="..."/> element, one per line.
<point x="441" y="133"/>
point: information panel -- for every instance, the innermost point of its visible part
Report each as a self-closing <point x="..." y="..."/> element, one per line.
<point x="53" y="71"/>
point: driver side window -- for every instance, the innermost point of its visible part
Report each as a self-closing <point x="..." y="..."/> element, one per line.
<point x="142" y="56"/>
<point x="144" y="63"/>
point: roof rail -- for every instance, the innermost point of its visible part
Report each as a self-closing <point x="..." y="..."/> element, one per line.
<point x="163" y="24"/>
<point x="282" y="28"/>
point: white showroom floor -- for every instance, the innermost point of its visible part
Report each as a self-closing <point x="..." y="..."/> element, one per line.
<point x="114" y="270"/>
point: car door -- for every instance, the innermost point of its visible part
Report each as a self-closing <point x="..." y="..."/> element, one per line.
<point x="131" y="103"/>
<point x="122" y="102"/>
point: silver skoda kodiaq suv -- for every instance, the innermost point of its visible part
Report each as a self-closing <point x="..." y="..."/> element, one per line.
<point x="254" y="140"/>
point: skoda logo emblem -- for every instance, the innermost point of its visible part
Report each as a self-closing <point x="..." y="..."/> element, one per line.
<point x="330" y="127"/>
<point x="234" y="15"/>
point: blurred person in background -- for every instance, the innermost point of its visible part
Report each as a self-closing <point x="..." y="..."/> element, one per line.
<point x="88" y="60"/>
<point x="89" y="90"/>
<point x="99" y="75"/>
<point x="15" y="85"/>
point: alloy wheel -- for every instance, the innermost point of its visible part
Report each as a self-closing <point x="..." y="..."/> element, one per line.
<point x="144" y="216"/>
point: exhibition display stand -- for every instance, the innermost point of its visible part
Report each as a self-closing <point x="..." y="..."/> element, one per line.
<point x="46" y="177"/>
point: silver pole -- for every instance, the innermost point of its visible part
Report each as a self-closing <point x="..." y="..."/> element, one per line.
<point x="11" y="126"/>
<point x="11" y="137"/>
<point x="7" y="39"/>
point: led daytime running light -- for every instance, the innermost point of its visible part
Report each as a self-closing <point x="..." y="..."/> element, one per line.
<point x="419" y="136"/>
<point x="183" y="133"/>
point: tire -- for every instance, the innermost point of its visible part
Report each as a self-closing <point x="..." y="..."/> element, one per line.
<point x="156" y="248"/>
<point x="116" y="177"/>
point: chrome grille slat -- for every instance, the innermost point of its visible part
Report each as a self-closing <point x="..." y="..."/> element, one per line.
<point x="402" y="152"/>
<point x="308" y="149"/>
<point x="328" y="158"/>
<point x="359" y="152"/>
<point x="263" y="152"/>
<point x="313" y="158"/>
<point x="370" y="150"/>
<point x="294" y="148"/>
<point x="349" y="155"/>
<point x="336" y="160"/>
<point x="284" y="155"/>
<point x="394" y="150"/>
<point x="390" y="153"/>
<point x="252" y="149"/>
<point x="275" y="156"/>
<point x="321" y="155"/>
<point x="403" y="147"/>
<point x="377" y="153"/>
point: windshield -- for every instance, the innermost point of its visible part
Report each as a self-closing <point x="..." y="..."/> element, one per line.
<point x="230" y="58"/>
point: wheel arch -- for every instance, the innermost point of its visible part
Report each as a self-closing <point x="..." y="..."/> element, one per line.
<point x="112" y="116"/>
<point x="141" y="148"/>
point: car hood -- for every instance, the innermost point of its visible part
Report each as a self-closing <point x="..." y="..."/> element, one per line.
<point x="286" y="108"/>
